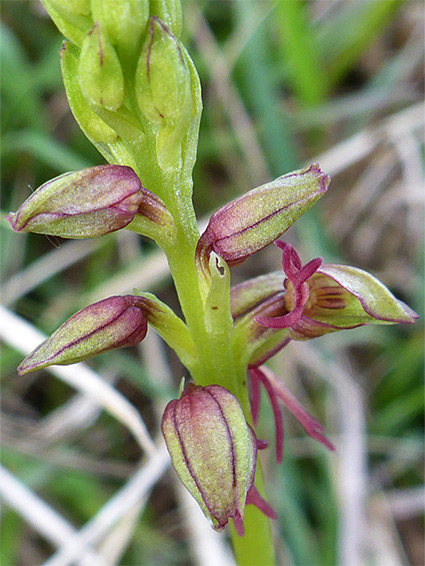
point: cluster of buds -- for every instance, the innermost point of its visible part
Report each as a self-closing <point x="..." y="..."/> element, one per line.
<point x="129" y="80"/>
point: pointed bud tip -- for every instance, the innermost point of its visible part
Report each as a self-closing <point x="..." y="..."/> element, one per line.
<point x="11" y="218"/>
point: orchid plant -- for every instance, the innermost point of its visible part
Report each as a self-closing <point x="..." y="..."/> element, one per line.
<point x="135" y="93"/>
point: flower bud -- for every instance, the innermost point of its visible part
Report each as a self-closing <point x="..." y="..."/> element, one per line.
<point x="99" y="71"/>
<point x="213" y="450"/>
<point x="114" y="322"/>
<point x="82" y="204"/>
<point x="124" y="21"/>
<point x="259" y="217"/>
<point x="162" y="77"/>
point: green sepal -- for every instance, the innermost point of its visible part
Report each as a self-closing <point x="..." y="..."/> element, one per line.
<point x="249" y="294"/>
<point x="260" y="296"/>
<point x="366" y="299"/>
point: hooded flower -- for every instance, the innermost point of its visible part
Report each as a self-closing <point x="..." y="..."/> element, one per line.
<point x="214" y="452"/>
<point x="115" y="322"/>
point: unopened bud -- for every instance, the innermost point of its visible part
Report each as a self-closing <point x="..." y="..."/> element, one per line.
<point x="112" y="323"/>
<point x="162" y="77"/>
<point x="83" y="204"/>
<point x="170" y="12"/>
<point x="91" y="124"/>
<point x="213" y="450"/>
<point x="99" y="71"/>
<point x="124" y="21"/>
<point x="72" y="18"/>
<point x="254" y="220"/>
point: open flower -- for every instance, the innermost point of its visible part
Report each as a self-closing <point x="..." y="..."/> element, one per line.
<point x="214" y="452"/>
<point x="315" y="299"/>
<point x="321" y="298"/>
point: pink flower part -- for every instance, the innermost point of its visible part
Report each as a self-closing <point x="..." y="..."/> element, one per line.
<point x="254" y="498"/>
<point x="257" y="377"/>
<point x="297" y="289"/>
<point x="255" y="398"/>
<point x="310" y="424"/>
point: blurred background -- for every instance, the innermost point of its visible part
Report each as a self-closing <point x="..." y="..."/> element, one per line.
<point x="285" y="83"/>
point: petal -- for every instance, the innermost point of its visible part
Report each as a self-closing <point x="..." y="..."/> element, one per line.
<point x="285" y="321"/>
<point x="311" y="425"/>
<point x="258" y="375"/>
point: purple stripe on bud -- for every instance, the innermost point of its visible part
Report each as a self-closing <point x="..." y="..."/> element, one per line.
<point x="112" y="323"/>
<point x="82" y="204"/>
<point x="213" y="451"/>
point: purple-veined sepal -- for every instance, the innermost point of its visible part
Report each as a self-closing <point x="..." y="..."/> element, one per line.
<point x="254" y="220"/>
<point x="214" y="452"/>
<point x="111" y="323"/>
<point x="93" y="202"/>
